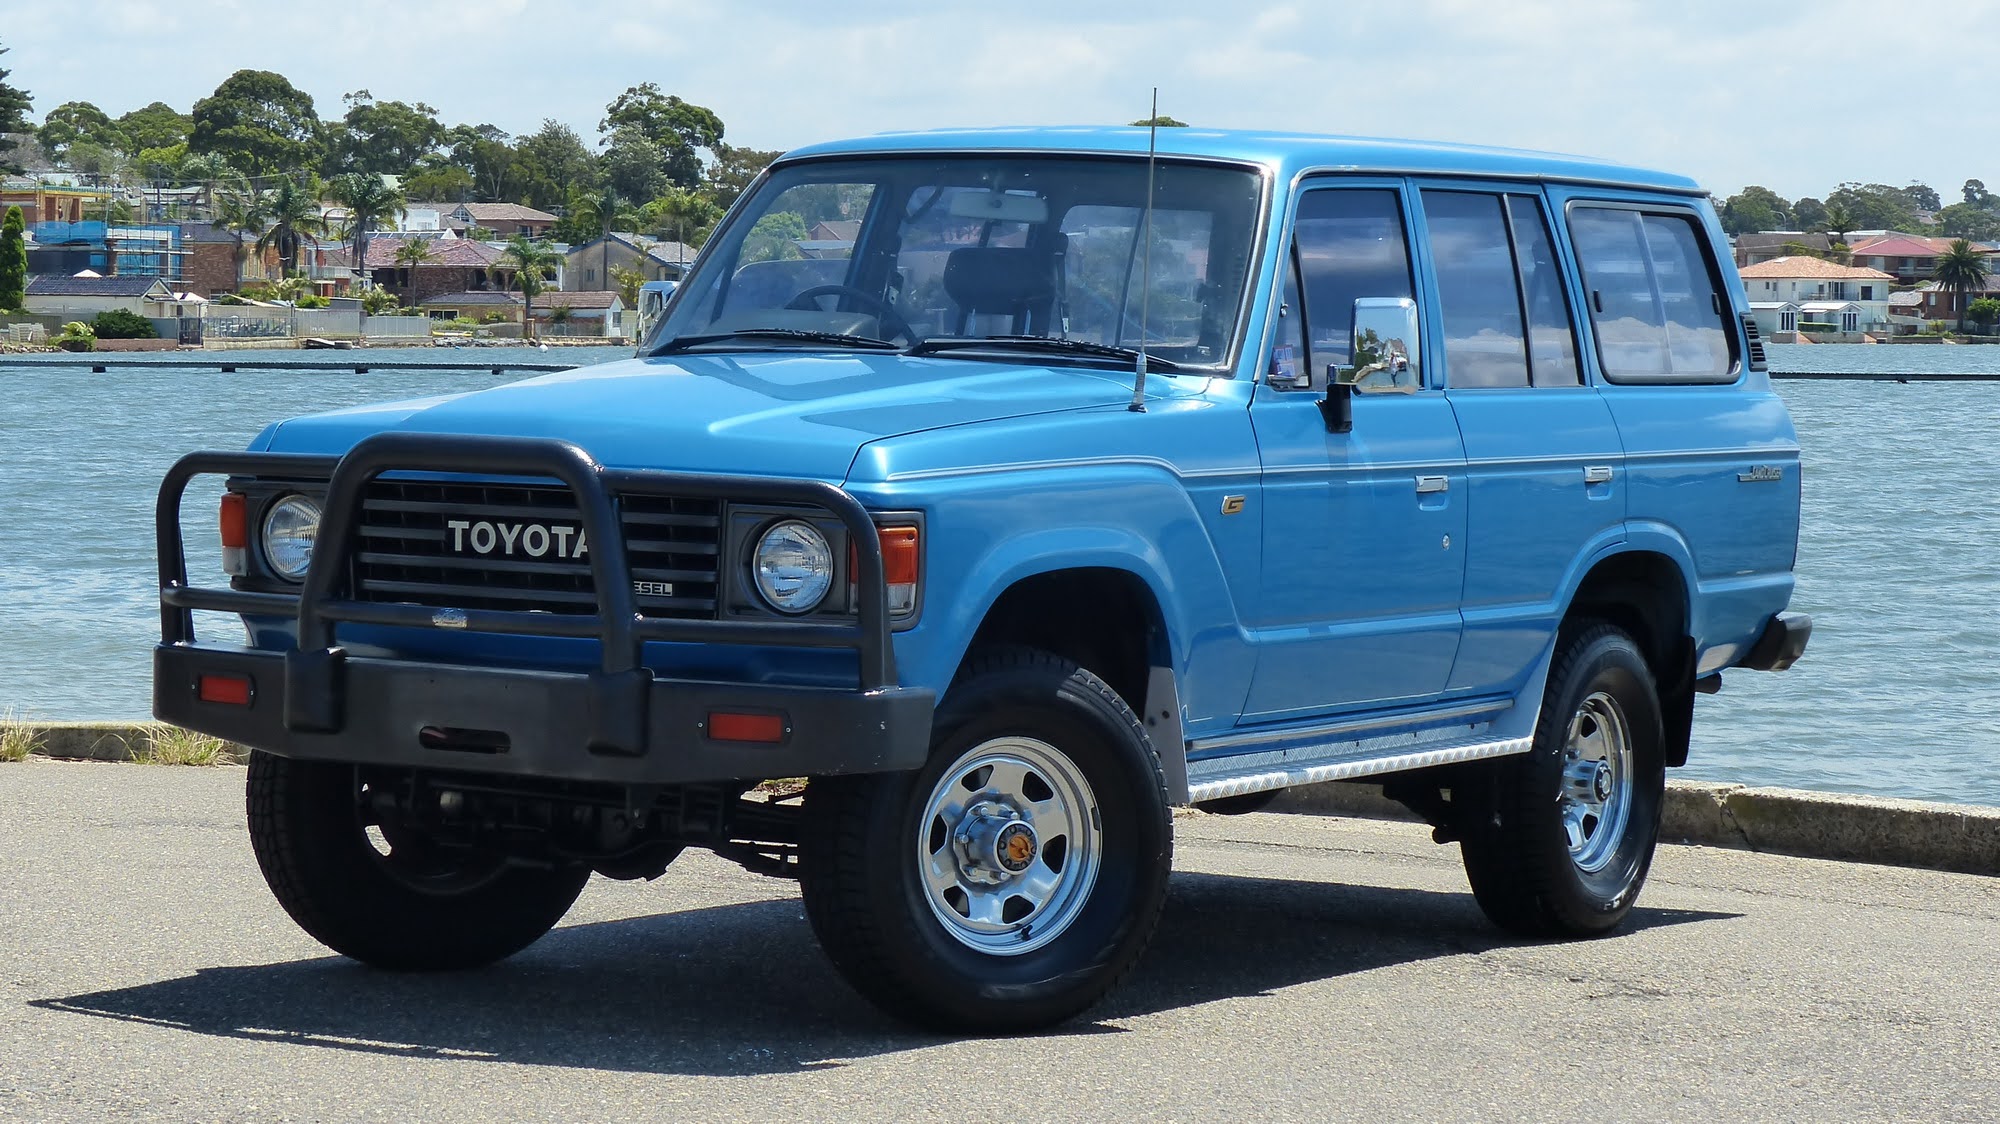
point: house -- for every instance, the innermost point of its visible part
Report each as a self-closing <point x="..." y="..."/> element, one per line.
<point x="43" y="201"/>
<point x="590" y="313"/>
<point x="1910" y="257"/>
<point x="1940" y="303"/>
<point x="505" y="220"/>
<point x="455" y="265"/>
<point x="1776" y="320"/>
<point x="67" y="248"/>
<point x="1762" y="247"/>
<point x="82" y="298"/>
<point x="590" y="265"/>
<point x="211" y="264"/>
<point x="476" y="304"/>
<point x="1814" y="281"/>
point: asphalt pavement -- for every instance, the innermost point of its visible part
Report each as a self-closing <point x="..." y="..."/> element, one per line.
<point x="1307" y="968"/>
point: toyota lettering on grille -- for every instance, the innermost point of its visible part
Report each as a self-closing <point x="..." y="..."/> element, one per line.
<point x="512" y="540"/>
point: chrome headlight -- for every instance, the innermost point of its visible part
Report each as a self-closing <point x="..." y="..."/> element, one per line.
<point x="794" y="567"/>
<point x="290" y="525"/>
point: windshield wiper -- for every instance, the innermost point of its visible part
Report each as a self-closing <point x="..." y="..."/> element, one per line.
<point x="935" y="345"/>
<point x="834" y="339"/>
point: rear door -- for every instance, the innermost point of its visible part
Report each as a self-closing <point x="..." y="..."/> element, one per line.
<point x="1543" y="459"/>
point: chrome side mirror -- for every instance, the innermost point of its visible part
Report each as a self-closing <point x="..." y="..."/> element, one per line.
<point x="1384" y="351"/>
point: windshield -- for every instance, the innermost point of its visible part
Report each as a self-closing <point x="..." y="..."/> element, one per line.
<point x="1012" y="249"/>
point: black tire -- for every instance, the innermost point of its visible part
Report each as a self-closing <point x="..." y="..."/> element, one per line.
<point x="1528" y="871"/>
<point x="414" y="908"/>
<point x="1240" y="805"/>
<point x="875" y="900"/>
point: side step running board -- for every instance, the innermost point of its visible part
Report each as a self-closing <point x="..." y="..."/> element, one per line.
<point x="1260" y="772"/>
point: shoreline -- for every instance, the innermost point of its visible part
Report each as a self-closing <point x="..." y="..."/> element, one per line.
<point x="1840" y="827"/>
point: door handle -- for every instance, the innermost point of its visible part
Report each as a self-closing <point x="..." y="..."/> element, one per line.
<point x="1597" y="474"/>
<point x="1429" y="484"/>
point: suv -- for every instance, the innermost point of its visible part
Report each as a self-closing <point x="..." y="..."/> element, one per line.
<point x="1013" y="488"/>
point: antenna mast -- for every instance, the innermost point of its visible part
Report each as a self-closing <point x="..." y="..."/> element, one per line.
<point x="1138" y="405"/>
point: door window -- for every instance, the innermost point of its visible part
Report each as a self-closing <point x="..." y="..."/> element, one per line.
<point x="1479" y="293"/>
<point x="1654" y="297"/>
<point x="1350" y="244"/>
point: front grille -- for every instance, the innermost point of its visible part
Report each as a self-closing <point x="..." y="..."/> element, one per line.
<point x="515" y="547"/>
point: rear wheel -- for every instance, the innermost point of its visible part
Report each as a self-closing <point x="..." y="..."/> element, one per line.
<point x="1015" y="878"/>
<point x="369" y="887"/>
<point x="1575" y="820"/>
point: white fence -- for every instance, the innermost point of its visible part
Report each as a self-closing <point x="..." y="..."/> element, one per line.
<point x="249" y="322"/>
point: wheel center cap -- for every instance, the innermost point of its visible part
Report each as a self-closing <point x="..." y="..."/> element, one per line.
<point x="1014" y="848"/>
<point x="1600" y="783"/>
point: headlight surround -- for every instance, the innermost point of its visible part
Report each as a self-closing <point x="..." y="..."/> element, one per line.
<point x="290" y="525"/>
<point x="793" y="566"/>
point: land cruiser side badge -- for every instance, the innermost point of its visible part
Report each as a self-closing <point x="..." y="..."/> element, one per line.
<point x="1761" y="474"/>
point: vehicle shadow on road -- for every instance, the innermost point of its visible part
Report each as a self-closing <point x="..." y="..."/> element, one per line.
<point x="742" y="989"/>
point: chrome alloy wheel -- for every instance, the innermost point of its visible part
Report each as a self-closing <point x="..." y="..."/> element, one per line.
<point x="1009" y="846"/>
<point x="1597" y="776"/>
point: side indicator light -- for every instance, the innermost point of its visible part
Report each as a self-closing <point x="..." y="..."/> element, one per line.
<point x="229" y="690"/>
<point x="235" y="525"/>
<point x="766" y="729"/>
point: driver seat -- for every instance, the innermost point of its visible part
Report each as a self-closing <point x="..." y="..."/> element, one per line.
<point x="1018" y="282"/>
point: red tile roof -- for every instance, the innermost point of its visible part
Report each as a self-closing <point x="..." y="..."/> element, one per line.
<point x="1816" y="268"/>
<point x="459" y="252"/>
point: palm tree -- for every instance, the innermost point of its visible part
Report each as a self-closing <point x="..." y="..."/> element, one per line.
<point x="1838" y="221"/>
<point x="368" y="201"/>
<point x="1962" y="269"/>
<point x="239" y="209"/>
<point x="411" y="254"/>
<point x="293" y="211"/>
<point x="531" y="263"/>
<point x="602" y="212"/>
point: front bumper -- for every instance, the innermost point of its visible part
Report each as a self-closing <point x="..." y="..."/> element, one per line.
<point x="536" y="723"/>
<point x="616" y="723"/>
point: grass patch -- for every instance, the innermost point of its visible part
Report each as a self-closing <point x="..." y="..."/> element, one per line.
<point x="17" y="739"/>
<point x="171" y="745"/>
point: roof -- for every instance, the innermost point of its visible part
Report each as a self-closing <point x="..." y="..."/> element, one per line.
<point x="472" y="296"/>
<point x="1774" y="239"/>
<point x="208" y="232"/>
<point x="1286" y="153"/>
<point x="50" y="285"/>
<point x="666" y="253"/>
<point x="1772" y="306"/>
<point x="460" y="252"/>
<point x="581" y="300"/>
<point x="1828" y="306"/>
<point x="486" y="214"/>
<point x="1913" y="297"/>
<point x="1818" y="269"/>
<point x="1900" y="246"/>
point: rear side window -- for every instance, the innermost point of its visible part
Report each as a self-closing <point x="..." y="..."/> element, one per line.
<point x="1653" y="296"/>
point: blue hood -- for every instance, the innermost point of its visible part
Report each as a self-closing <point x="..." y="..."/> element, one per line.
<point x="800" y="415"/>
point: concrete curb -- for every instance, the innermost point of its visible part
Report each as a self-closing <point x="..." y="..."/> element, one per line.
<point x="1779" y="821"/>
<point x="1782" y="821"/>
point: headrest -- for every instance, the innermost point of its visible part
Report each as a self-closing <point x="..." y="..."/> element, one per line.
<point x="998" y="278"/>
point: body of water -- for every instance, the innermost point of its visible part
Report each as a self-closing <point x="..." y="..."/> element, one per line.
<point x="1899" y="694"/>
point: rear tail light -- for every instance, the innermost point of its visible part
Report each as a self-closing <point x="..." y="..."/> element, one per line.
<point x="730" y="726"/>
<point x="235" y="520"/>
<point x="901" y="556"/>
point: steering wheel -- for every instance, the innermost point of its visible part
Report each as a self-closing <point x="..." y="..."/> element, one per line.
<point x="890" y="321"/>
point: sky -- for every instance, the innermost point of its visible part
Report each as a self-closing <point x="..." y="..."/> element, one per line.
<point x="1731" y="92"/>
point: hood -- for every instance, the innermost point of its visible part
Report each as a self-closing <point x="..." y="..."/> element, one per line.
<point x="800" y="415"/>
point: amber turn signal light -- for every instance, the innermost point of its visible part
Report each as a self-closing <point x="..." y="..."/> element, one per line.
<point x="235" y="525"/>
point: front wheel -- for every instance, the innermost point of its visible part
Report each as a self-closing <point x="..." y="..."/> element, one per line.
<point x="1574" y="821"/>
<point x="1015" y="878"/>
<point x="370" y="888"/>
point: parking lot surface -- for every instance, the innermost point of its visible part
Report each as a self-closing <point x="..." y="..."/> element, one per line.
<point x="1307" y="968"/>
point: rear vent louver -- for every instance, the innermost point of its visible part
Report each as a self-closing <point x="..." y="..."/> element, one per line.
<point x="1756" y="342"/>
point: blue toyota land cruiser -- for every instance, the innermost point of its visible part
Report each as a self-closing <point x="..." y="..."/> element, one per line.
<point x="1013" y="488"/>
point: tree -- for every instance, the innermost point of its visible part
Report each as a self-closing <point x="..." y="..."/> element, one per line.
<point x="1975" y="193"/>
<point x="684" y="216"/>
<point x="1161" y="122"/>
<point x="1755" y="209"/>
<point x="1968" y="220"/>
<point x="633" y="165"/>
<point x="15" y="105"/>
<point x="1922" y="197"/>
<point x="554" y="161"/>
<point x="484" y="152"/>
<point x="155" y="125"/>
<point x="436" y="182"/>
<point x="734" y="169"/>
<point x="382" y="137"/>
<point x="239" y="209"/>
<point x="158" y="165"/>
<point x="369" y="201"/>
<point x="601" y="212"/>
<point x="1984" y="311"/>
<point x="628" y="282"/>
<point x="1809" y="213"/>
<point x="259" y="122"/>
<point x="411" y="254"/>
<point x="1838" y="220"/>
<point x="13" y="260"/>
<point x="1873" y="206"/>
<point x="532" y="263"/>
<point x="1961" y="269"/>
<point x="679" y="129"/>
<point x="75" y="122"/>
<point x="293" y="212"/>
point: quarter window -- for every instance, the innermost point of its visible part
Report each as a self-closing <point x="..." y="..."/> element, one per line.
<point x="1479" y="292"/>
<point x="1654" y="298"/>
<point x="1551" y="333"/>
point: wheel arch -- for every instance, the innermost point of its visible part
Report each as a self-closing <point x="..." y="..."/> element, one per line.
<point x="1646" y="593"/>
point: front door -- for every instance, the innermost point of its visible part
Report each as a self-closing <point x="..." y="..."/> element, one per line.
<point x="1364" y="530"/>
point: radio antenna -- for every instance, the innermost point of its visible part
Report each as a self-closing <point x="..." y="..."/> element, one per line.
<point x="1138" y="405"/>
